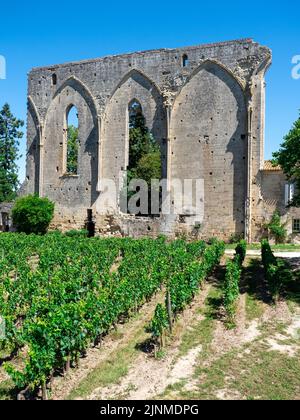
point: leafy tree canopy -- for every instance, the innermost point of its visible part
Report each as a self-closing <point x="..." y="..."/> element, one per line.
<point x="141" y="141"/>
<point x="72" y="150"/>
<point x="144" y="151"/>
<point x="9" y="153"/>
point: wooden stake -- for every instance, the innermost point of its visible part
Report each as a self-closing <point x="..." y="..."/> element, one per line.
<point x="169" y="305"/>
<point x="68" y="364"/>
<point x="44" y="391"/>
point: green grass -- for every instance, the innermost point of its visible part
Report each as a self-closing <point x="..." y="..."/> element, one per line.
<point x="259" y="374"/>
<point x="111" y="370"/>
<point x="201" y="333"/>
<point x="254" y="309"/>
<point x="7" y="390"/>
<point x="252" y="279"/>
<point x="292" y="289"/>
<point x="250" y="372"/>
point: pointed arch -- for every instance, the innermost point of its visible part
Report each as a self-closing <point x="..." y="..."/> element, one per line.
<point x="207" y="63"/>
<point x="84" y="91"/>
<point x="134" y="86"/>
<point x="148" y="84"/>
<point x="72" y="92"/>
<point x="133" y="101"/>
<point x="208" y="132"/>
<point x="263" y="67"/>
<point x="131" y="74"/>
<point x="72" y="140"/>
<point x="34" y="156"/>
<point x="34" y="113"/>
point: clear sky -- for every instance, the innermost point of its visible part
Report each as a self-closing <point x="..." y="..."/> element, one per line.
<point x="37" y="33"/>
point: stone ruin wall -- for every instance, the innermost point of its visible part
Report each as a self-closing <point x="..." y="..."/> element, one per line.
<point x="207" y="116"/>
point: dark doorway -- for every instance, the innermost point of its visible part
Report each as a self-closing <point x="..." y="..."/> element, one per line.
<point x="90" y="224"/>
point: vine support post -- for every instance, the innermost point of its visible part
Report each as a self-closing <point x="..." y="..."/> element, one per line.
<point x="44" y="391"/>
<point x="161" y="341"/>
<point x="68" y="364"/>
<point x="77" y="360"/>
<point x="169" y="308"/>
<point x="51" y="381"/>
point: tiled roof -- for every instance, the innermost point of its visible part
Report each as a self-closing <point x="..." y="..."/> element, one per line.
<point x="268" y="166"/>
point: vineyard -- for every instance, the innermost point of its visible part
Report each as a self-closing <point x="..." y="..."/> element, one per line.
<point x="59" y="295"/>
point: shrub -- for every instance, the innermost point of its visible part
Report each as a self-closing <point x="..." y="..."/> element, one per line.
<point x="275" y="269"/>
<point x="270" y="267"/>
<point x="32" y="214"/>
<point x="235" y="238"/>
<point x="277" y="229"/>
<point x="83" y="233"/>
<point x="231" y="287"/>
<point x="241" y="250"/>
<point x="232" y="281"/>
<point x="189" y="265"/>
<point x="159" y="322"/>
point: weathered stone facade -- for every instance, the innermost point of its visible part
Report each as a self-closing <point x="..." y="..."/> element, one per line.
<point x="5" y="217"/>
<point x="273" y="197"/>
<point x="204" y="105"/>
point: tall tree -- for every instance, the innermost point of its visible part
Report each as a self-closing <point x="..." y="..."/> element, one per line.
<point x="72" y="150"/>
<point x="144" y="151"/>
<point x="288" y="157"/>
<point x="9" y="153"/>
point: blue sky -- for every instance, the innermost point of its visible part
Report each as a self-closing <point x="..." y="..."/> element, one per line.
<point x="38" y="33"/>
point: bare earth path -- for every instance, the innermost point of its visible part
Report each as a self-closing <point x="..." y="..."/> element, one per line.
<point x="95" y="356"/>
<point x="149" y="376"/>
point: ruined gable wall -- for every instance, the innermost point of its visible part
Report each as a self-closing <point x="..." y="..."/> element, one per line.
<point x="217" y="84"/>
<point x="208" y="136"/>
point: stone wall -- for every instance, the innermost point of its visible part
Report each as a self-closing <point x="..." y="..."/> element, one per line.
<point x="203" y="104"/>
<point x="273" y="199"/>
<point x="5" y="217"/>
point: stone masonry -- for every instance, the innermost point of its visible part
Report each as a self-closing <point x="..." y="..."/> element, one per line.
<point x="205" y="106"/>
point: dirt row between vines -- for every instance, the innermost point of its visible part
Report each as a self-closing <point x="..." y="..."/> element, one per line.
<point x="122" y="369"/>
<point x="150" y="372"/>
<point x="116" y="339"/>
<point x="147" y="377"/>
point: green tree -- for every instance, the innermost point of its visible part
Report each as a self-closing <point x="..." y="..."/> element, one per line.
<point x="288" y="157"/>
<point x="149" y="167"/>
<point x="141" y="141"/>
<point x="32" y="214"/>
<point x="72" y="150"/>
<point x="144" y="151"/>
<point x="9" y="153"/>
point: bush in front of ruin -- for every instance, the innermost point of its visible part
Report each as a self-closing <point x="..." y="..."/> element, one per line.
<point x="32" y="214"/>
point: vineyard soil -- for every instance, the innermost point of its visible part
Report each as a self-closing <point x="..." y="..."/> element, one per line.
<point x="222" y="364"/>
<point x="203" y="358"/>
